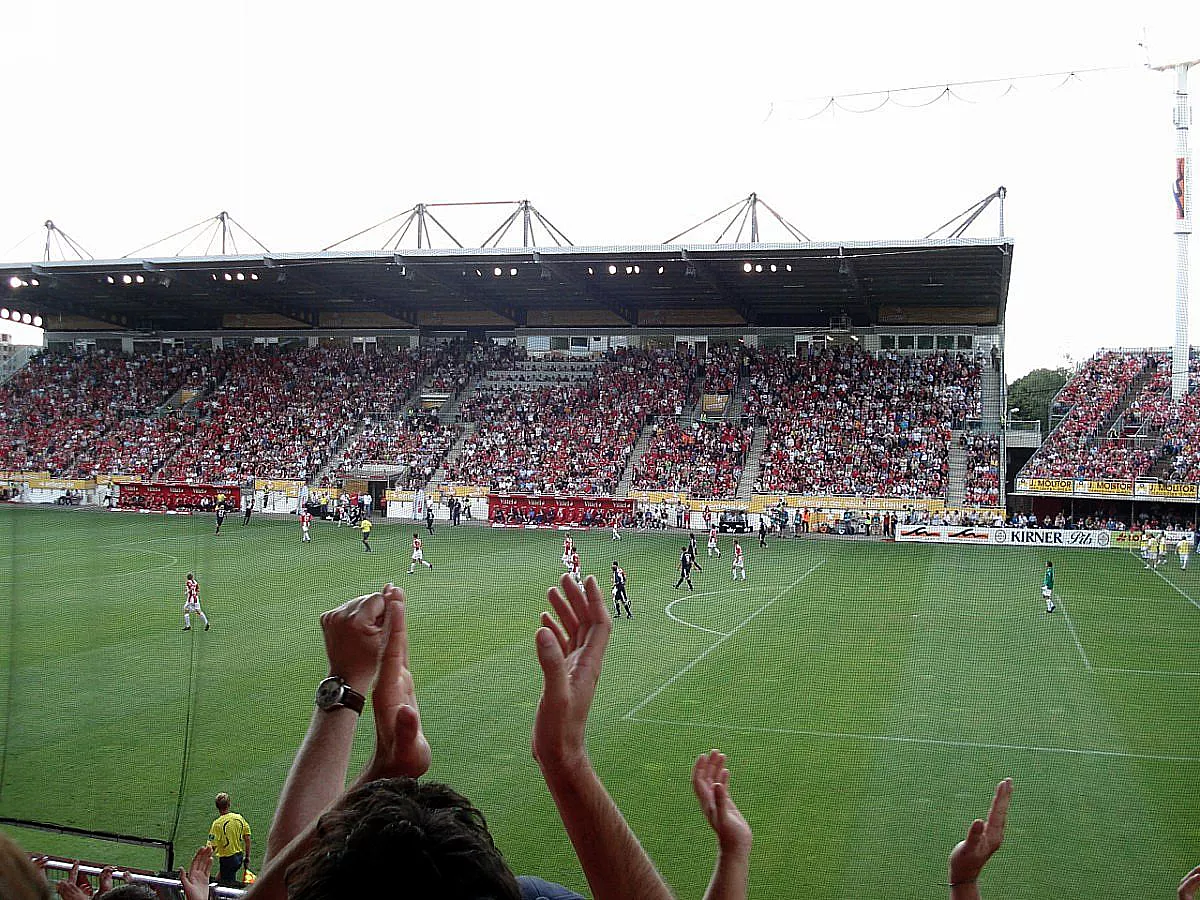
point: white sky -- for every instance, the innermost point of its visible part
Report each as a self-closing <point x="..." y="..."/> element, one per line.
<point x="623" y="122"/>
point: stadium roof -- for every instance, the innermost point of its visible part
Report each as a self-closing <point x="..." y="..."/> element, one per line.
<point x="958" y="281"/>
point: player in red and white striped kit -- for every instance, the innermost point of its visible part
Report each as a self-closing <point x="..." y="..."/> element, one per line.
<point x="739" y="561"/>
<point x="575" y="573"/>
<point x="418" y="556"/>
<point x="305" y="524"/>
<point x="713" y="549"/>
<point x="568" y="549"/>
<point x="191" y="603"/>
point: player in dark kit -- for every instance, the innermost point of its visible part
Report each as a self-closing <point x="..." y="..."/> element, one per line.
<point x="220" y="517"/>
<point x="248" y="509"/>
<point x="762" y="532"/>
<point x="429" y="517"/>
<point x="620" y="598"/>
<point x="692" y="550"/>
<point x="685" y="569"/>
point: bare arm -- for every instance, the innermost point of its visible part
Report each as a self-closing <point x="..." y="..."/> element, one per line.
<point x="710" y="781"/>
<point x="571" y="655"/>
<point x="354" y="638"/>
<point x="1190" y="884"/>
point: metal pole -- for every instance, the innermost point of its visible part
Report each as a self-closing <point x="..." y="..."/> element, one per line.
<point x="526" y="223"/>
<point x="753" y="218"/>
<point x="1001" y="194"/>
<point x="1183" y="230"/>
<point x="224" y="229"/>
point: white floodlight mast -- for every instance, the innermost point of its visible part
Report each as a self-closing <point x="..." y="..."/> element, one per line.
<point x="1183" y="229"/>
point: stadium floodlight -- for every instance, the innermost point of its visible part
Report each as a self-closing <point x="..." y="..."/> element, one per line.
<point x="241" y="276"/>
<point x="228" y="277"/>
<point x="661" y="269"/>
<point x="37" y="320"/>
<point x="3" y="313"/>
<point x="140" y="279"/>
<point x="512" y="271"/>
<point x="629" y="270"/>
<point x="112" y="280"/>
<point x="254" y="276"/>
<point x="591" y="271"/>
<point x="479" y="273"/>
<point x="758" y="268"/>
<point x="127" y="279"/>
<point x="746" y="267"/>
<point x="774" y="268"/>
<point x="612" y="270"/>
<point x="789" y="267"/>
<point x="497" y="271"/>
<point x="34" y="282"/>
<point x="27" y="318"/>
<point x="14" y="282"/>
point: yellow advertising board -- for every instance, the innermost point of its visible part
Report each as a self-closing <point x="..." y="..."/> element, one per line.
<point x="1169" y="491"/>
<point x="1125" y="539"/>
<point x="1106" y="487"/>
<point x="1047" y="485"/>
<point x="61" y="484"/>
<point x="118" y="479"/>
<point x="287" y="488"/>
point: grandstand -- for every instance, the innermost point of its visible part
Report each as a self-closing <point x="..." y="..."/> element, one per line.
<point x="853" y="389"/>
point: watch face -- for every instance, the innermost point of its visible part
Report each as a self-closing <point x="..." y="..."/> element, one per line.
<point x="329" y="692"/>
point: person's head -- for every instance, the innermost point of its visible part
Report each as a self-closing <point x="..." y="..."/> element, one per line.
<point x="222" y="802"/>
<point x="1049" y="565"/>
<point x="19" y="878"/>
<point x="414" y="534"/>
<point x="428" y="831"/>
<point x="129" y="892"/>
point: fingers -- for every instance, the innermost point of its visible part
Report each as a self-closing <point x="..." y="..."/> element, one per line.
<point x="1190" y="884"/>
<point x="562" y="606"/>
<point x="975" y="834"/>
<point x="563" y="641"/>
<point x="597" y="609"/>
<point x="554" y="668"/>
<point x="998" y="814"/>
<point x="395" y="654"/>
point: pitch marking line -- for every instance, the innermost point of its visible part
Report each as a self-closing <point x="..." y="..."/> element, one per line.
<point x="676" y="618"/>
<point x="1175" y="589"/>
<point x="1075" y="637"/>
<point x="717" y="643"/>
<point x="1165" y="673"/>
<point x="931" y="742"/>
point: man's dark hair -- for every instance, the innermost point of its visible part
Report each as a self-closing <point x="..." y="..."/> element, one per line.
<point x="129" y="892"/>
<point x="427" y="831"/>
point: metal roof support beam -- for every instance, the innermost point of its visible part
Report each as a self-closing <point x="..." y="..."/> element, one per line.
<point x="516" y="314"/>
<point x="591" y="291"/>
<point x="66" y="307"/>
<point x="724" y="293"/>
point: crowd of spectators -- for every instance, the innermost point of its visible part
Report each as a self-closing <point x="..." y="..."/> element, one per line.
<point x="574" y="436"/>
<point x="77" y="414"/>
<point x="416" y="443"/>
<point x="721" y="366"/>
<point x="840" y="421"/>
<point x="1087" y="401"/>
<point x="705" y="459"/>
<point x="278" y="414"/>
<point x="983" y="470"/>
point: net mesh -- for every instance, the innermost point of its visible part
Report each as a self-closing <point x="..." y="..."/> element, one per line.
<point x="869" y="695"/>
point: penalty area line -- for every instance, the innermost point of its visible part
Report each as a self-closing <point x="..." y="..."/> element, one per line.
<point x="717" y="643"/>
<point x="917" y="741"/>
<point x="1075" y="637"/>
<point x="675" y="618"/>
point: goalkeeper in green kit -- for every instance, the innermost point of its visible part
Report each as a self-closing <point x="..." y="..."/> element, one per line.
<point x="1048" y="587"/>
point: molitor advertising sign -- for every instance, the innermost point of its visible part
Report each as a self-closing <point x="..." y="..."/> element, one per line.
<point x="1166" y="491"/>
<point x="1047" y="485"/>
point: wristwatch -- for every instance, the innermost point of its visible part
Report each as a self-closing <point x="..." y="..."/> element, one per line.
<point x="334" y="692"/>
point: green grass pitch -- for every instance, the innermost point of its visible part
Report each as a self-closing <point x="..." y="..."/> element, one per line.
<point x="869" y="695"/>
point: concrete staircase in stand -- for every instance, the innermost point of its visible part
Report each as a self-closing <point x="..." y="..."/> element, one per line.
<point x="17" y="361"/>
<point x="957" y="487"/>
<point x="639" y="450"/>
<point x="439" y="477"/>
<point x="750" y="471"/>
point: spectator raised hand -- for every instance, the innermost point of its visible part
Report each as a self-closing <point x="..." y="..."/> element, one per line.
<point x="401" y="749"/>
<point x="76" y="886"/>
<point x="710" y="781"/>
<point x="570" y="650"/>
<point x="1190" y="885"/>
<point x="984" y="837"/>
<point x="196" y="878"/>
